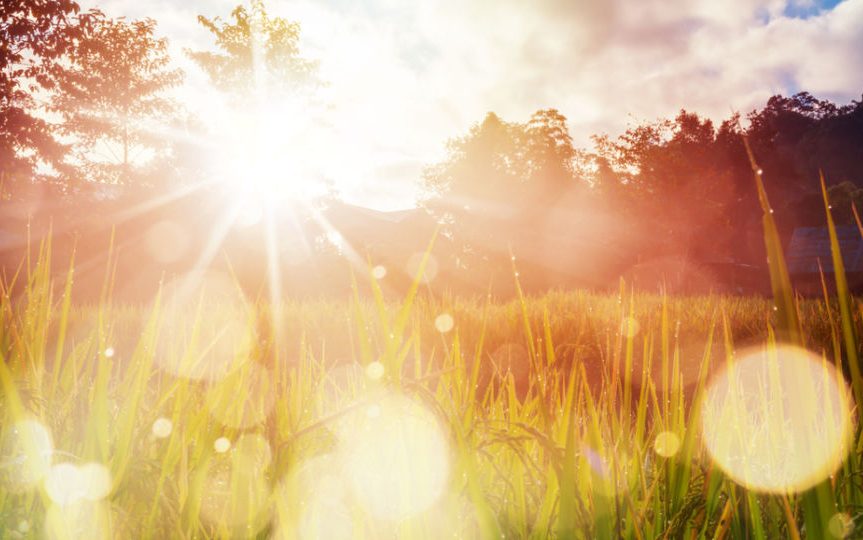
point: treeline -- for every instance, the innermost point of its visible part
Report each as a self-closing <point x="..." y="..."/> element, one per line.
<point x="681" y="186"/>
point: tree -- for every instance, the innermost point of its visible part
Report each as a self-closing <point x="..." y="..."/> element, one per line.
<point x="505" y="166"/>
<point x="680" y="181"/>
<point x="111" y="98"/>
<point x="257" y="53"/>
<point x="499" y="183"/>
<point x="34" y="35"/>
<point x="550" y="155"/>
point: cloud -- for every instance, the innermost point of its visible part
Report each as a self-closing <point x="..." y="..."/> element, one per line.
<point x="406" y="76"/>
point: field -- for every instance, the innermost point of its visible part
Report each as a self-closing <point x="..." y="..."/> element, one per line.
<point x="572" y="414"/>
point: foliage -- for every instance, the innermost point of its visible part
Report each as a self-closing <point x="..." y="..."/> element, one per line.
<point x="34" y="35"/>
<point x="498" y="181"/>
<point x="256" y="52"/>
<point x="111" y="98"/>
<point x="501" y="163"/>
<point x="551" y="409"/>
<point x="672" y="169"/>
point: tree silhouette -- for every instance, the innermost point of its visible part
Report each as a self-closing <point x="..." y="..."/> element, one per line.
<point x="34" y="35"/>
<point x="111" y="98"/>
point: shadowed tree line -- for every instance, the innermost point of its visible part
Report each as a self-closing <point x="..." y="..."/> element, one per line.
<point x="88" y="126"/>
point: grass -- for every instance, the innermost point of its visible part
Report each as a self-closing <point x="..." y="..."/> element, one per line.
<point x="570" y="415"/>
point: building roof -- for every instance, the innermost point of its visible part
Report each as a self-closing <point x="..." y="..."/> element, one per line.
<point x="810" y="246"/>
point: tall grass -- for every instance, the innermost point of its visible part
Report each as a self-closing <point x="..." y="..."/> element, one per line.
<point x="570" y="415"/>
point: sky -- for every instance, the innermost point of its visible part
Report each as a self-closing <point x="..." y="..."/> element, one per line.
<point x="404" y="76"/>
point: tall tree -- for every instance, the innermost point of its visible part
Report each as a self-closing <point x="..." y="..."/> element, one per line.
<point x="499" y="182"/>
<point x="256" y="53"/>
<point x="512" y="166"/>
<point x="680" y="180"/>
<point x="34" y="35"/>
<point x="112" y="98"/>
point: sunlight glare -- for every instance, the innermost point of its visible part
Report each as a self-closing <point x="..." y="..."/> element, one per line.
<point x="67" y="483"/>
<point x="79" y="520"/>
<point x="26" y="454"/>
<point x="205" y="327"/>
<point x="397" y="460"/>
<point x="777" y="421"/>
<point x="167" y="241"/>
<point x="312" y="502"/>
<point x="236" y="492"/>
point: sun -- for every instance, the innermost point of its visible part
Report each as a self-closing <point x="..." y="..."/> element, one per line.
<point x="272" y="155"/>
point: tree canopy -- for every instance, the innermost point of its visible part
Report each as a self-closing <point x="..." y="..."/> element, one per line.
<point x="255" y="53"/>
<point x="111" y="98"/>
<point x="34" y="36"/>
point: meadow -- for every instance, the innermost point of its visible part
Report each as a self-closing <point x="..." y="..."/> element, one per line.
<point x="574" y="414"/>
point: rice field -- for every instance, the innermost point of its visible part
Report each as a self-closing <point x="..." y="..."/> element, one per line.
<point x="207" y="414"/>
<point x="569" y="415"/>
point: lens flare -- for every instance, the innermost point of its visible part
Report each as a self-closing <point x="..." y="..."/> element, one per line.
<point x="374" y="371"/>
<point x="395" y="459"/>
<point x="221" y="445"/>
<point x="777" y="420"/>
<point x="67" y="483"/>
<point x="379" y="272"/>
<point x="97" y="481"/>
<point x="162" y="428"/>
<point x="666" y="444"/>
<point x="312" y="502"/>
<point x="26" y="455"/>
<point x="444" y="323"/>
<point x="236" y="492"/>
<point x="612" y="470"/>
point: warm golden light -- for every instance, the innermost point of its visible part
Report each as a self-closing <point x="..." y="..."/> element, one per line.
<point x="67" y="483"/>
<point x="205" y="327"/>
<point x="312" y="502"/>
<point x="236" y="493"/>
<point x="248" y="408"/>
<point x="272" y="153"/>
<point x="81" y="519"/>
<point x="666" y="444"/>
<point x="26" y="455"/>
<point x="395" y="457"/>
<point x="777" y="420"/>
